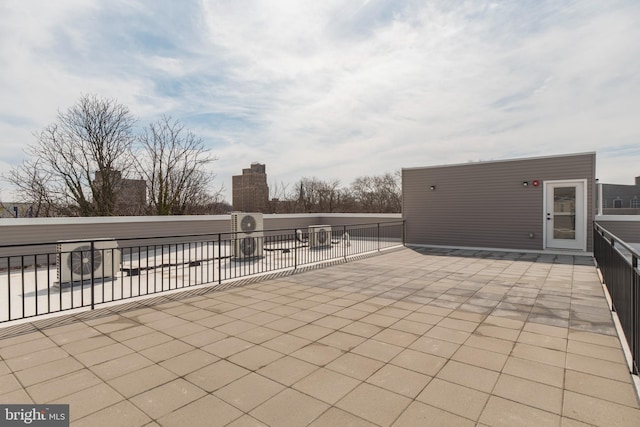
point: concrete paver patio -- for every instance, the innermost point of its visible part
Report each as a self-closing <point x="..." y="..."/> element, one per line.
<point x="408" y="338"/>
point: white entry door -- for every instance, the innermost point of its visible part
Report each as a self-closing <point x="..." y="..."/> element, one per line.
<point x="565" y="214"/>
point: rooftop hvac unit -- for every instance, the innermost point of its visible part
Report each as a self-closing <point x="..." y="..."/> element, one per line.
<point x="246" y="229"/>
<point x="75" y="261"/>
<point x="319" y="236"/>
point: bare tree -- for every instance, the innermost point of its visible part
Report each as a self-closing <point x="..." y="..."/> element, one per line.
<point x="278" y="198"/>
<point x="315" y="195"/>
<point x="31" y="184"/>
<point x="377" y="194"/>
<point x="173" y="162"/>
<point x="91" y="140"/>
<point x="372" y="194"/>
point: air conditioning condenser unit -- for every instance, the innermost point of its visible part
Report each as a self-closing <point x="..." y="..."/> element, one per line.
<point x="247" y="235"/>
<point x="76" y="261"/>
<point x="319" y="236"/>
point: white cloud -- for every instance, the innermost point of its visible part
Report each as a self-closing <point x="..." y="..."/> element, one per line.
<point x="340" y="89"/>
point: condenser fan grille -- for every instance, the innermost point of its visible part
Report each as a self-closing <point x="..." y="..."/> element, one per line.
<point x="248" y="246"/>
<point x="322" y="237"/>
<point x="80" y="261"/>
<point x="248" y="224"/>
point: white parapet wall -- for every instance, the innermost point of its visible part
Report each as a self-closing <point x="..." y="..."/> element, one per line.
<point x="29" y="231"/>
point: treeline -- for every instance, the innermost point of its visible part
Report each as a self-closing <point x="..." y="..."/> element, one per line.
<point x="368" y="194"/>
<point x="92" y="161"/>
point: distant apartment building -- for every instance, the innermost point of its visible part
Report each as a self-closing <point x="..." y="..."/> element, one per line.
<point x="17" y="210"/>
<point x="621" y="199"/>
<point x="131" y="194"/>
<point x="250" y="190"/>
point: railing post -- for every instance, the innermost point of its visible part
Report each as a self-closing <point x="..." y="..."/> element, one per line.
<point x="295" y="250"/>
<point x="344" y="241"/>
<point x="9" y="289"/>
<point x="219" y="258"/>
<point x="403" y="232"/>
<point x="612" y="241"/>
<point x="635" y="314"/>
<point x="378" y="237"/>
<point x="22" y="281"/>
<point x="22" y="274"/>
<point x="93" y="276"/>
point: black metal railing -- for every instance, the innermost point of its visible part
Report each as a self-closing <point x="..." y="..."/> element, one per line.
<point x="52" y="277"/>
<point x="618" y="263"/>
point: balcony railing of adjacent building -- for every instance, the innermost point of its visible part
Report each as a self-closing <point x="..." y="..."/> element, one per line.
<point x="36" y="279"/>
<point x="618" y="262"/>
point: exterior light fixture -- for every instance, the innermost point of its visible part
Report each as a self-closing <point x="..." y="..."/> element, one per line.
<point x="432" y="188"/>
<point x="536" y="183"/>
<point x="525" y="183"/>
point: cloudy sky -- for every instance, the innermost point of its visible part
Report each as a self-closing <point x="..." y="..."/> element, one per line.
<point x="337" y="89"/>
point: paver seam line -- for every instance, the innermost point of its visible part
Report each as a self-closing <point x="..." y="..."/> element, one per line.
<point x="494" y="386"/>
<point x="411" y="400"/>
<point x="372" y="374"/>
<point x="435" y="374"/>
<point x="123" y="398"/>
<point x="155" y="420"/>
<point x="183" y="377"/>
<point x="69" y="355"/>
<point x="637" y="407"/>
<point x="106" y="382"/>
<point x="151" y="299"/>
<point x="326" y="366"/>
<point x="491" y="393"/>
<point x="90" y="370"/>
<point x="520" y="331"/>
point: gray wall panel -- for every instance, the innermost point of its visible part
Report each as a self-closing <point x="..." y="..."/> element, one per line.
<point x="628" y="230"/>
<point x="485" y="204"/>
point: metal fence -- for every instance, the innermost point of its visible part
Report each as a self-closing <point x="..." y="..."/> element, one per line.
<point x="618" y="263"/>
<point x="53" y="277"/>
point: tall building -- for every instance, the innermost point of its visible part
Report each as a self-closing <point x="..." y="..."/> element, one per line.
<point x="250" y="190"/>
<point x="131" y="194"/>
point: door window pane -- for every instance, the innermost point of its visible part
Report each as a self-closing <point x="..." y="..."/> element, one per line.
<point x="564" y="213"/>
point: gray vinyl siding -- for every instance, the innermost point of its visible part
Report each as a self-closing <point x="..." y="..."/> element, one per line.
<point x="485" y="204"/>
<point x="628" y="231"/>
